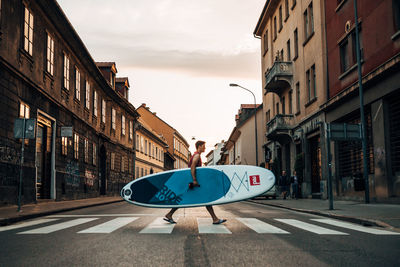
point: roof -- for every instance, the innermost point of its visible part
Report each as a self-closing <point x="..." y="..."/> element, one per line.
<point x="124" y="80"/>
<point x="111" y="65"/>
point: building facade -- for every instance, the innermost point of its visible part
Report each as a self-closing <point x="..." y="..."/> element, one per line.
<point x="379" y="31"/>
<point x="294" y="79"/>
<point x="177" y="153"/>
<point x="214" y="156"/>
<point x="84" y="130"/>
<point x="150" y="150"/>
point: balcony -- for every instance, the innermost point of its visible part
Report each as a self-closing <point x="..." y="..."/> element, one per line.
<point x="279" y="77"/>
<point x="279" y="128"/>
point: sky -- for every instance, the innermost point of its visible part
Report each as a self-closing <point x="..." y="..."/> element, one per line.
<point x="180" y="57"/>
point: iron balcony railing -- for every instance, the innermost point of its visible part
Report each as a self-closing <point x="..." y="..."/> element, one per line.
<point x="279" y="77"/>
<point x="281" y="122"/>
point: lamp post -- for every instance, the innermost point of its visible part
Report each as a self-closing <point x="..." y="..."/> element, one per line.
<point x="255" y="116"/>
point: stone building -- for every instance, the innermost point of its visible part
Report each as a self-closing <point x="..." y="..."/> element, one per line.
<point x="84" y="145"/>
<point x="293" y="59"/>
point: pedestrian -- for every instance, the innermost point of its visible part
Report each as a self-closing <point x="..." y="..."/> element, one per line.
<point x="294" y="180"/>
<point x="195" y="161"/>
<point x="284" y="184"/>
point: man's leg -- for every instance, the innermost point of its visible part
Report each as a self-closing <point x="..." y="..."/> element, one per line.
<point x="170" y="213"/>
<point x="212" y="213"/>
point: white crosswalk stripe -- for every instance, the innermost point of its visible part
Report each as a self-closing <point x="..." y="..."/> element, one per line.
<point x="58" y="226"/>
<point x="206" y="227"/>
<point x="25" y="224"/>
<point x="356" y="227"/>
<point x="110" y="226"/>
<point x="310" y="227"/>
<point x="260" y="226"/>
<point x="158" y="226"/>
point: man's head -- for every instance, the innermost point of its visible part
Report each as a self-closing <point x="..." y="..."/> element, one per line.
<point x="200" y="146"/>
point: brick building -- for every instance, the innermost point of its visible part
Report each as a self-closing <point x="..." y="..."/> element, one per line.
<point x="177" y="154"/>
<point x="47" y="73"/>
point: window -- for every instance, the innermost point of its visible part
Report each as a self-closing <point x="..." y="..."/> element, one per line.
<point x="288" y="50"/>
<point x="103" y="111"/>
<point x="280" y="18"/>
<point x="297" y="97"/>
<point x="130" y="130"/>
<point x="123" y="124"/>
<point x="87" y="95"/>
<point x="76" y="146"/>
<point x="150" y="149"/>
<point x="113" y="118"/>
<point x="277" y="108"/>
<point x="308" y="22"/>
<point x="137" y="142"/>
<point x="141" y="144"/>
<point x="137" y="172"/>
<point x="66" y="72"/>
<point x="145" y="147"/>
<point x="296" y="44"/>
<point x="290" y="102"/>
<point x="50" y="55"/>
<point x="94" y="154"/>
<point x="112" y="161"/>
<point x="86" y="143"/>
<point x="64" y="145"/>
<point x="95" y="103"/>
<point x="347" y="48"/>
<point x="28" y="31"/>
<point x="24" y="110"/>
<point x="396" y="14"/>
<point x="265" y="42"/>
<point x="268" y="115"/>
<point x="77" y="84"/>
<point x="122" y="164"/>
<point x="286" y="9"/>
<point x="275" y="30"/>
<point x="283" y="100"/>
<point x="311" y="83"/>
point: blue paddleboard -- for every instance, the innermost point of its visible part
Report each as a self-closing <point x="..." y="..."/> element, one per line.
<point x="218" y="185"/>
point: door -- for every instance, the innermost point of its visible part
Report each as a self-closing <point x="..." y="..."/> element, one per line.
<point x="43" y="160"/>
<point x="103" y="161"/>
<point x="315" y="152"/>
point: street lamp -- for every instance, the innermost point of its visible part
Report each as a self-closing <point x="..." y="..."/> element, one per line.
<point x="255" y="115"/>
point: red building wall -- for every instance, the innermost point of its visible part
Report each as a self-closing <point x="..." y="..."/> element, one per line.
<point x="377" y="27"/>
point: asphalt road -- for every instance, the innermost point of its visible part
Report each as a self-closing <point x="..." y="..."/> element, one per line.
<point x="255" y="235"/>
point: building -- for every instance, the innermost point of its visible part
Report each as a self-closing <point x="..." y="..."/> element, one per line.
<point x="150" y="150"/>
<point x="177" y="153"/>
<point x="239" y="149"/>
<point x="84" y="145"/>
<point x="293" y="57"/>
<point x="215" y="155"/>
<point x="379" y="31"/>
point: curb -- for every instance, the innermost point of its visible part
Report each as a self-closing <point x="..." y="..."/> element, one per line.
<point x="11" y="220"/>
<point x="362" y="221"/>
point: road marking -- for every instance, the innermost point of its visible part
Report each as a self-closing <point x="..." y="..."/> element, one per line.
<point x="98" y="215"/>
<point x="25" y="224"/>
<point x="58" y="226"/>
<point x="356" y="227"/>
<point x="310" y="227"/>
<point x="206" y="227"/>
<point x="110" y="226"/>
<point x="158" y="226"/>
<point x="261" y="227"/>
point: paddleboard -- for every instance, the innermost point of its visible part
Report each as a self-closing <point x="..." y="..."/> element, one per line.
<point x="219" y="184"/>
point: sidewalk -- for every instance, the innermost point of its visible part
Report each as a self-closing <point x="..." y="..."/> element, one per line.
<point x="9" y="214"/>
<point x="383" y="215"/>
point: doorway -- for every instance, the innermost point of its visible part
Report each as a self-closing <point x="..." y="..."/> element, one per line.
<point x="43" y="158"/>
<point x="315" y="152"/>
<point x="103" y="165"/>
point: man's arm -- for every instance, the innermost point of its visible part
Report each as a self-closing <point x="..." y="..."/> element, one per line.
<point x="193" y="169"/>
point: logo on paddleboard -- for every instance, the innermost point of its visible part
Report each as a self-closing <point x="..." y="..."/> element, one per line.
<point x="255" y="180"/>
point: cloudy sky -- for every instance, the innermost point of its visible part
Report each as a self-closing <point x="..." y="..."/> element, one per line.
<point x="179" y="55"/>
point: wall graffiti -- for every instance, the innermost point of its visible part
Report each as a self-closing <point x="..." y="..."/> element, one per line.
<point x="89" y="178"/>
<point x="72" y="173"/>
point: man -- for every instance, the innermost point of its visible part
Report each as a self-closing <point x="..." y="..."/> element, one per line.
<point x="195" y="161"/>
<point x="295" y="185"/>
<point x="284" y="184"/>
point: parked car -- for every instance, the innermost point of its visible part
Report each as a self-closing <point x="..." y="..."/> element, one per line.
<point x="272" y="193"/>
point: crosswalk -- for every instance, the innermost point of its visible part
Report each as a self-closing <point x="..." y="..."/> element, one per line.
<point x="144" y="225"/>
